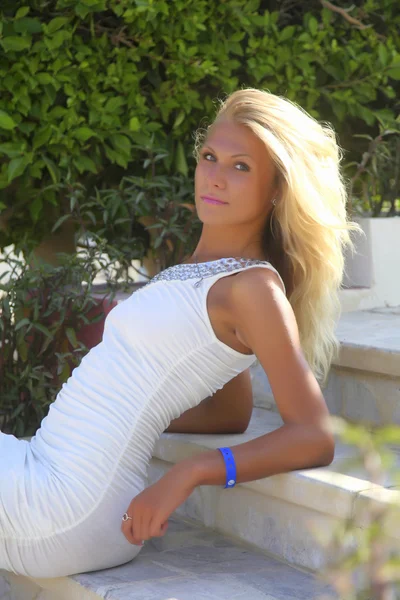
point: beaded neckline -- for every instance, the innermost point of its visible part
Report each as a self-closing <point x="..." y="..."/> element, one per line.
<point x="207" y="262"/>
<point x="185" y="271"/>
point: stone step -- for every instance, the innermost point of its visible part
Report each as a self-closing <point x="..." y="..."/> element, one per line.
<point x="364" y="381"/>
<point x="190" y="562"/>
<point x="282" y="514"/>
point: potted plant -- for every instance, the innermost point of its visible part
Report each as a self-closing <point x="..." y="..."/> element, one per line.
<point x="47" y="322"/>
<point x="374" y="203"/>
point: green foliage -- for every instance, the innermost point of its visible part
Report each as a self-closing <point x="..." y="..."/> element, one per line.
<point x="84" y="82"/>
<point x="375" y="186"/>
<point x="361" y="563"/>
<point x="162" y="204"/>
<point x="148" y="213"/>
<point x="42" y="310"/>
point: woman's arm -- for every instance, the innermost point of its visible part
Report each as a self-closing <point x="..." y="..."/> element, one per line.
<point x="227" y="411"/>
<point x="266" y="321"/>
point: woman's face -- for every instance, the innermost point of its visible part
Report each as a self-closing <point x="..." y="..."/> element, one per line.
<point x="234" y="167"/>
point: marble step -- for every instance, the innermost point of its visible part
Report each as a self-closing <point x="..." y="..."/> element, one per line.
<point x="283" y="514"/>
<point x="191" y="562"/>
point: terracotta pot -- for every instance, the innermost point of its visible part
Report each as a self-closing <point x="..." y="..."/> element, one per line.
<point x="92" y="334"/>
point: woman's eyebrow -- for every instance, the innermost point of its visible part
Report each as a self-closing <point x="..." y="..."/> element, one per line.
<point x="233" y="155"/>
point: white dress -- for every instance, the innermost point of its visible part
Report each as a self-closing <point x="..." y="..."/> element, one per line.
<point x="63" y="493"/>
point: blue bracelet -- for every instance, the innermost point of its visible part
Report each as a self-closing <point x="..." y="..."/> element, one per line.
<point x="230" y="466"/>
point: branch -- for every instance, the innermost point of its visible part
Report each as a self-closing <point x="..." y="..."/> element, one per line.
<point x="351" y="83"/>
<point x="344" y="13"/>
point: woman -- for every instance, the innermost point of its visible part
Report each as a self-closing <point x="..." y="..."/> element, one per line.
<point x="262" y="284"/>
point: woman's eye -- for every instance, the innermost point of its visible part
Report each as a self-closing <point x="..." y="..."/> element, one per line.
<point x="206" y="154"/>
<point x="245" y="167"/>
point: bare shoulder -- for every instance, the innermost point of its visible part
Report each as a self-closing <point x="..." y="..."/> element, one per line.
<point x="262" y="315"/>
<point x="255" y="294"/>
<point x="259" y="276"/>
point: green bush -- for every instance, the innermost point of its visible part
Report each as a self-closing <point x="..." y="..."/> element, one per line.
<point x="160" y="204"/>
<point x="42" y="311"/>
<point x="375" y="186"/>
<point x="85" y="83"/>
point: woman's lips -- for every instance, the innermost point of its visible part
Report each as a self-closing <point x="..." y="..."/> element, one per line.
<point x="211" y="200"/>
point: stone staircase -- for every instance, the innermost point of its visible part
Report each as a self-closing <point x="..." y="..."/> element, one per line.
<point x="190" y="562"/>
<point x="262" y="539"/>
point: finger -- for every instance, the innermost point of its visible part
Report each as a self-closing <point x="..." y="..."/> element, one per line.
<point x="126" y="528"/>
<point x="137" y="542"/>
<point x="137" y="530"/>
<point x="164" y="527"/>
<point x="159" y="530"/>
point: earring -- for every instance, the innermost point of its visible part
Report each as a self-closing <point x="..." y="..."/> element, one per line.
<point x="274" y="201"/>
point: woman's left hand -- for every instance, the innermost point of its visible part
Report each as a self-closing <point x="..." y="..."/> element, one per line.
<point x="151" y="508"/>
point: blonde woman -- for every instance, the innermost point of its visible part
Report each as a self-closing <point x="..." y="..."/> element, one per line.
<point x="262" y="284"/>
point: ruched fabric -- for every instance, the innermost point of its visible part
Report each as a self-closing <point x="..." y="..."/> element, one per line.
<point x="63" y="493"/>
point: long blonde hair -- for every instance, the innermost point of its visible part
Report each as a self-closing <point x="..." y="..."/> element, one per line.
<point x="306" y="233"/>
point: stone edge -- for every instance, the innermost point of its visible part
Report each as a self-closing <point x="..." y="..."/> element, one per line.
<point x="321" y="489"/>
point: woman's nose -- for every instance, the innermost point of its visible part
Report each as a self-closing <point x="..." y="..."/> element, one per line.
<point x="218" y="176"/>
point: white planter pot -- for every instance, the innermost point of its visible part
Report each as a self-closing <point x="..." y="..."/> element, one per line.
<point x="372" y="276"/>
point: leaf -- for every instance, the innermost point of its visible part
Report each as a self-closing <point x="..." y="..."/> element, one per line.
<point x="179" y="119"/>
<point x="84" y="163"/>
<point x="70" y="333"/>
<point x="27" y="25"/>
<point x="22" y="323"/>
<point x="35" y="208"/>
<point x="180" y="161"/>
<point x="21" y="12"/>
<point x="91" y="216"/>
<point x="17" y="411"/>
<point x="134" y="124"/>
<point x="121" y="143"/>
<point x="12" y="149"/>
<point x="44" y="78"/>
<point x="383" y="54"/>
<point x="56" y="24"/>
<point x="83" y="133"/>
<point x="43" y="329"/>
<point x="113" y="104"/>
<point x="6" y="122"/>
<point x="16" y="167"/>
<point x="46" y="343"/>
<point x="81" y="11"/>
<point x="59" y="222"/>
<point x="14" y="43"/>
<point x="41" y="137"/>
<point x="93" y="3"/>
<point x="57" y="40"/>
<point x="23" y="350"/>
<point x="313" y="25"/>
<point x="53" y="170"/>
<point x="286" y="33"/>
<point x="394" y="73"/>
